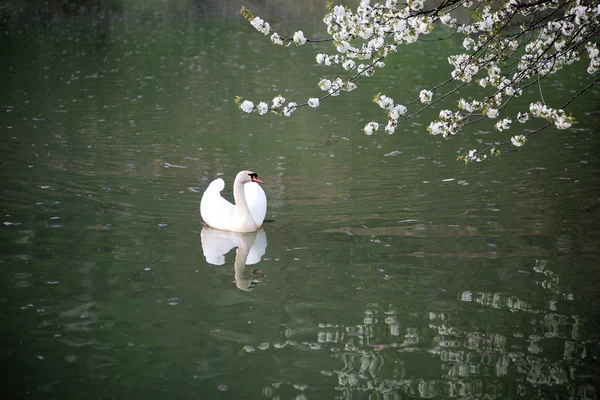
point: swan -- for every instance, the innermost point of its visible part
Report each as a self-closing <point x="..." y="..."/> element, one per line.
<point x="249" y="210"/>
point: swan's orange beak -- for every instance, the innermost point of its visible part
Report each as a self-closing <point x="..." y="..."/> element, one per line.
<point x="256" y="179"/>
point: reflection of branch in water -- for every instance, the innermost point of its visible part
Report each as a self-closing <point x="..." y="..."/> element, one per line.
<point x="383" y="354"/>
<point x="551" y="283"/>
<point x="513" y="303"/>
<point x="497" y="301"/>
<point x="250" y="249"/>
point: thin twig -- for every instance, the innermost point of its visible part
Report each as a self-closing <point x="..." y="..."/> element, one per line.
<point x="540" y="87"/>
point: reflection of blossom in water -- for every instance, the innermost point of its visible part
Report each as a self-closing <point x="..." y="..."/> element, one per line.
<point x="473" y="362"/>
<point x="222" y="388"/>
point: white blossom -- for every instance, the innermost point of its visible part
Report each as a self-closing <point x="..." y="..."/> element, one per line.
<point x="371" y="127"/>
<point x="275" y="39"/>
<point x="376" y="43"/>
<point x="299" y="38"/>
<point x="445" y="115"/>
<point x="325" y="84"/>
<point x="343" y="46"/>
<point x="415" y="5"/>
<point x="522" y="117"/>
<point x="366" y="70"/>
<point x="262" y="108"/>
<point x="464" y="105"/>
<point x="563" y="122"/>
<point x="349" y="64"/>
<point x="518" y="140"/>
<point x="492" y="112"/>
<point x="425" y="96"/>
<point x="289" y="109"/>
<point x="503" y="124"/>
<point x="475" y="156"/>
<point x="366" y="32"/>
<point x="594" y="55"/>
<point x="247" y="106"/>
<point x="313" y="102"/>
<point x="447" y="19"/>
<point x="436" y="128"/>
<point x="260" y="25"/>
<point x="336" y="86"/>
<point x="444" y="128"/>
<point x="464" y="69"/>
<point x="390" y="127"/>
<point x="397" y="111"/>
<point x="468" y="43"/>
<point x="349" y="86"/>
<point x="385" y="102"/>
<point x="278" y="101"/>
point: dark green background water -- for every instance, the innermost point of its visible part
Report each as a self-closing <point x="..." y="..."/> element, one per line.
<point x="390" y="270"/>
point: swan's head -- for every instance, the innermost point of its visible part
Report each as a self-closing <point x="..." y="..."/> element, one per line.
<point x="248" y="176"/>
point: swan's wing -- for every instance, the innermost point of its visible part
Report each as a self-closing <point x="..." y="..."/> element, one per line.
<point x="257" y="201"/>
<point x="214" y="209"/>
<point x="216" y="243"/>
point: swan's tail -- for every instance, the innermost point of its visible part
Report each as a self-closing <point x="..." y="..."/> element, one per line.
<point x="217" y="185"/>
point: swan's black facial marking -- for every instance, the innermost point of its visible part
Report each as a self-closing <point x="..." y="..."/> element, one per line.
<point x="254" y="177"/>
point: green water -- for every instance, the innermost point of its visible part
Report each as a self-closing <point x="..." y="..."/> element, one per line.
<point x="385" y="269"/>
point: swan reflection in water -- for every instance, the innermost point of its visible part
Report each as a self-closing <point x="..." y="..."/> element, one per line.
<point x="251" y="247"/>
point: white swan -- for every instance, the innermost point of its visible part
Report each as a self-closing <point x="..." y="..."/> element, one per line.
<point x="248" y="212"/>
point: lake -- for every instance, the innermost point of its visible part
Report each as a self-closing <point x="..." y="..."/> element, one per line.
<point x="385" y="269"/>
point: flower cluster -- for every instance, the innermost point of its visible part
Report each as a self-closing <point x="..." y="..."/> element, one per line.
<point x="260" y="25"/>
<point x="333" y="88"/>
<point x="425" y="96"/>
<point x="474" y="156"/>
<point x="299" y="38"/>
<point x="371" y="127"/>
<point x="447" y="125"/>
<point x="279" y="106"/>
<point x="503" y="62"/>
<point x="395" y="111"/>
<point x="503" y="124"/>
<point x="558" y="117"/>
<point x="313" y="102"/>
<point x="518" y="140"/>
<point x="594" y="55"/>
<point x="464" y="68"/>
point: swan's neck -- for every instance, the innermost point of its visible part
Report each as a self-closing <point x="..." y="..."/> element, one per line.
<point x="244" y="215"/>
<point x="240" y="197"/>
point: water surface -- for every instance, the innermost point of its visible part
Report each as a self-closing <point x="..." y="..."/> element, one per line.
<point x="385" y="269"/>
